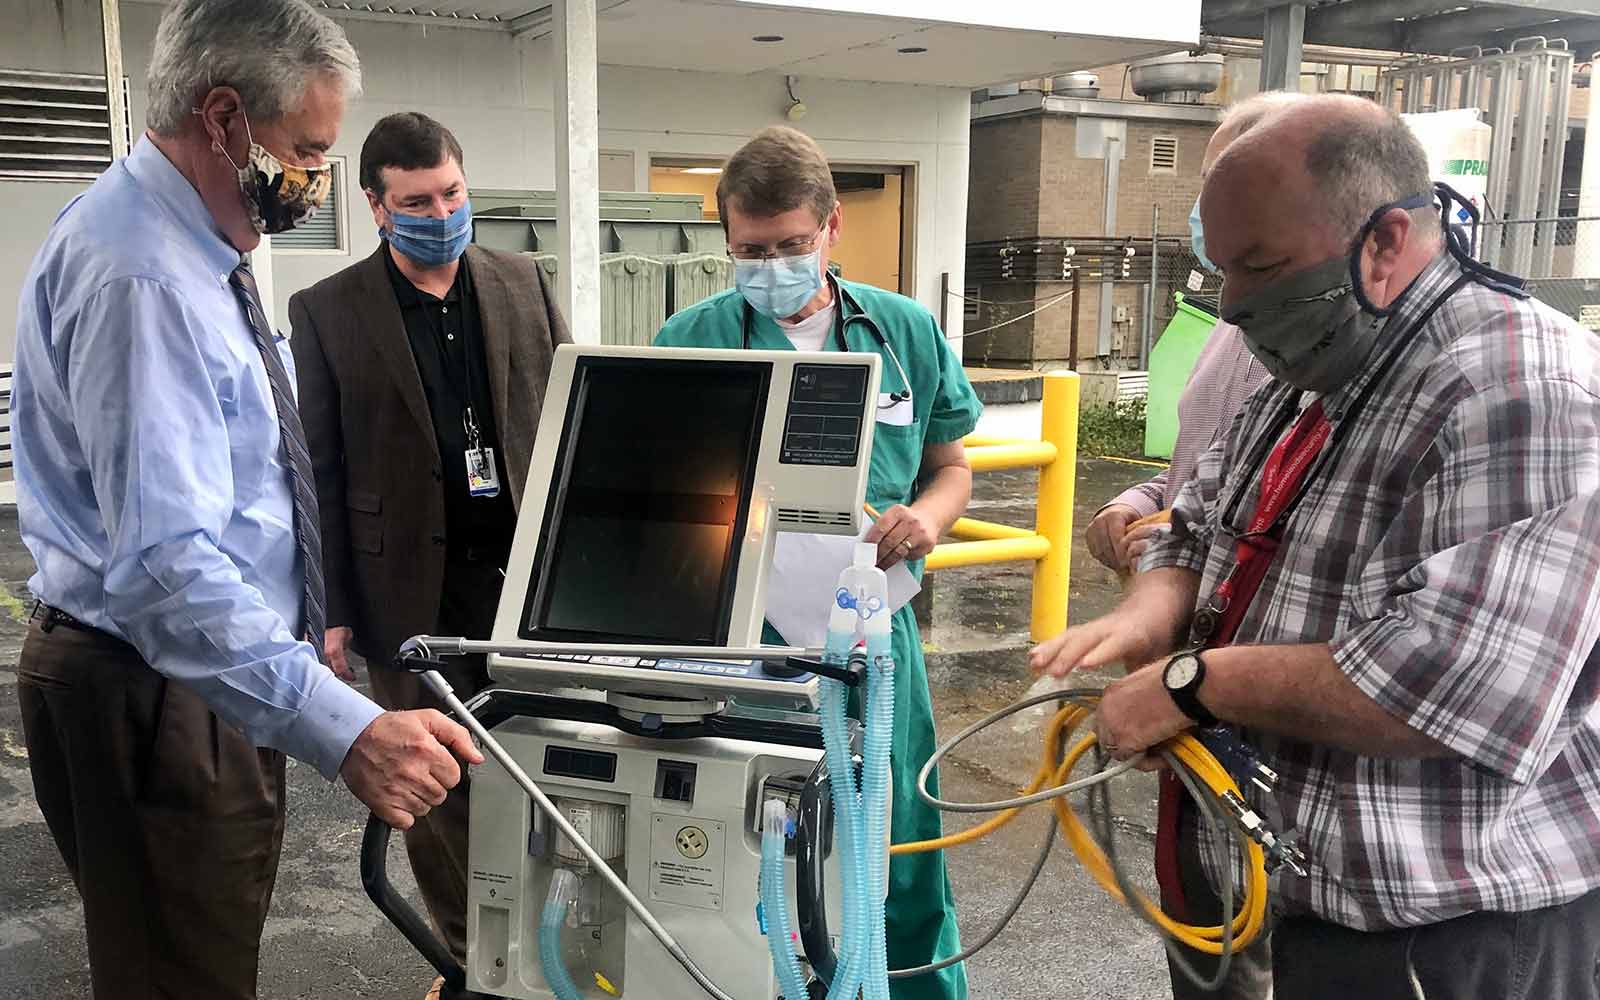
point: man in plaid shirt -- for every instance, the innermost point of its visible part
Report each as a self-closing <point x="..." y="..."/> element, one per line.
<point x="1418" y="659"/>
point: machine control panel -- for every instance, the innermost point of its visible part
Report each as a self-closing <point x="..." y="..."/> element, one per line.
<point x="823" y="424"/>
<point x="707" y="668"/>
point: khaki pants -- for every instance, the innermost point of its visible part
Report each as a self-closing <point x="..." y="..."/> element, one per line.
<point x="167" y="818"/>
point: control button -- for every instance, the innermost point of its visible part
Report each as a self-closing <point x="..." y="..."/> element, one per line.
<point x="615" y="661"/>
<point x="715" y="668"/>
<point x="578" y="658"/>
<point x="688" y="665"/>
<point x="738" y="671"/>
<point x="647" y="663"/>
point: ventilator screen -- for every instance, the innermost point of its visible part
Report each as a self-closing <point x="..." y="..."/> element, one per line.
<point x="648" y="502"/>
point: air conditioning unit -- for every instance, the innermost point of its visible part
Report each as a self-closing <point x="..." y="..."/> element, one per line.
<point x="1111" y="388"/>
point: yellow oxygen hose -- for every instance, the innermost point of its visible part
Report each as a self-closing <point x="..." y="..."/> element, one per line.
<point x="1051" y="783"/>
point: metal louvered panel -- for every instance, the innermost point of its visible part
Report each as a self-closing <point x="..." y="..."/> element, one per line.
<point x="633" y="298"/>
<point x="322" y="231"/>
<point x="5" y="422"/>
<point x="54" y="126"/>
<point x="1164" y="155"/>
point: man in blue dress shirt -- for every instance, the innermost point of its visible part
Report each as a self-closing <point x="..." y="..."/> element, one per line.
<point x="164" y="490"/>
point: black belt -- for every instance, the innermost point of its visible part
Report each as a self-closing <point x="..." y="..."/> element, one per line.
<point x="49" y="618"/>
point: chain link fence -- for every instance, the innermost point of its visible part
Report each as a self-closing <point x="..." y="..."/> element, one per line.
<point x="1559" y="257"/>
<point x="1178" y="271"/>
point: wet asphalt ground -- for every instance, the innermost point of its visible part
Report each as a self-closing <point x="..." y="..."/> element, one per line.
<point x="324" y="940"/>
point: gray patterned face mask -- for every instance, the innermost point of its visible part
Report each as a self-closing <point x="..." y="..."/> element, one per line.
<point x="1308" y="329"/>
<point x="1315" y="329"/>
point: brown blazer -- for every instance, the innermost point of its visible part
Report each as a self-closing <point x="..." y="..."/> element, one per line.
<point x="379" y="479"/>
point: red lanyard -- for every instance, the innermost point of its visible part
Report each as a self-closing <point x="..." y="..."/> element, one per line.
<point x="1285" y="469"/>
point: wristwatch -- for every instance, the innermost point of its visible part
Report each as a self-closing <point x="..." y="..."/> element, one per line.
<point x="1182" y="679"/>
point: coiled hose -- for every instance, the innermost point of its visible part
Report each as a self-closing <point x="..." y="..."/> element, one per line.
<point x="775" y="902"/>
<point x="563" y="889"/>
<point x="1203" y="775"/>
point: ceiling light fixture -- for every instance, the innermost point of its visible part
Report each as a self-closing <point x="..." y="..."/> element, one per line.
<point x="702" y="170"/>
<point x="797" y="107"/>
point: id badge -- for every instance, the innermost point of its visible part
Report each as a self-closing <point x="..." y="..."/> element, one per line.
<point x="483" y="478"/>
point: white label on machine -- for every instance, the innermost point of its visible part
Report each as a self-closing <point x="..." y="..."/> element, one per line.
<point x="1589" y="316"/>
<point x="1196" y="281"/>
<point x="686" y="861"/>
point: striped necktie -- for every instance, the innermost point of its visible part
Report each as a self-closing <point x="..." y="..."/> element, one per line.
<point x="297" y="457"/>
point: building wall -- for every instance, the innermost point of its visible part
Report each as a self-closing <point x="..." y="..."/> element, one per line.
<point x="1072" y="190"/>
<point x="1005" y="173"/>
<point x="56" y="36"/>
<point x="1139" y="188"/>
<point x="1069" y="201"/>
<point x="496" y="93"/>
<point x="681" y="114"/>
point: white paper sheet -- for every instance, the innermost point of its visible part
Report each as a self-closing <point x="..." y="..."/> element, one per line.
<point x="804" y="575"/>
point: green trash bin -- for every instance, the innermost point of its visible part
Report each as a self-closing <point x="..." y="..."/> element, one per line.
<point x="1171" y="361"/>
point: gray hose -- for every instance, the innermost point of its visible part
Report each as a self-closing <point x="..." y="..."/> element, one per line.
<point x="999" y="926"/>
<point x="1100" y="810"/>
<point x="1078" y="696"/>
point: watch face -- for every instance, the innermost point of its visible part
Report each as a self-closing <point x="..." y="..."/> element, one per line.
<point x="1182" y="671"/>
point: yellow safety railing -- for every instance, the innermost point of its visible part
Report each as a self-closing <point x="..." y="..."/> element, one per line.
<point x="1049" y="545"/>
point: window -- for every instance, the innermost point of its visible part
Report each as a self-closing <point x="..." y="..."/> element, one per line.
<point x="55" y="126"/>
<point x="323" y="232"/>
<point x="1164" y="155"/>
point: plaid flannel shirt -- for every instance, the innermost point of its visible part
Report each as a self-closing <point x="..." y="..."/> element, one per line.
<point x="1449" y="554"/>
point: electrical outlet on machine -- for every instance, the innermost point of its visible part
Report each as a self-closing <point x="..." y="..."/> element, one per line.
<point x="1119" y="314"/>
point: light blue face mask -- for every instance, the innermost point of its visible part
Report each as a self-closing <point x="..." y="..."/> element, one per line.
<point x="428" y="241"/>
<point x="779" y="287"/>
<point x="1197" y="237"/>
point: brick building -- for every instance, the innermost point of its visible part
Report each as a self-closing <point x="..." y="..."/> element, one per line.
<point x="1038" y="172"/>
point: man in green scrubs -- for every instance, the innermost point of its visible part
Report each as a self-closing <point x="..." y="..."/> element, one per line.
<point x="781" y="215"/>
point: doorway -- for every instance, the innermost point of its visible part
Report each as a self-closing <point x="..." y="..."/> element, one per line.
<point x="876" y="201"/>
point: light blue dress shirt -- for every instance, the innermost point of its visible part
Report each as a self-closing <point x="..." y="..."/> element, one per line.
<point x="150" y="486"/>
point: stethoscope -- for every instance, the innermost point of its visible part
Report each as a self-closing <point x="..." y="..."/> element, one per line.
<point x="841" y="323"/>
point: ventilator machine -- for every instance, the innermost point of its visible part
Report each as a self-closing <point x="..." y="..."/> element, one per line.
<point x="670" y="809"/>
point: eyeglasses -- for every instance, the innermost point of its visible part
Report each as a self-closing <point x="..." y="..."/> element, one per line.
<point x="799" y="246"/>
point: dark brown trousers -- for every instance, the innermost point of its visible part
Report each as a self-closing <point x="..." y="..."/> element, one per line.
<point x="167" y="818"/>
<point x="436" y="844"/>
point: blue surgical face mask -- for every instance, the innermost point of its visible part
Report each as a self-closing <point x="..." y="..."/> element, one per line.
<point x="1197" y="237"/>
<point x="779" y="287"/>
<point x="428" y="241"/>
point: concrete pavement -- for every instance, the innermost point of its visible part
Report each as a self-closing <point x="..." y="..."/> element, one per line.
<point x="324" y="940"/>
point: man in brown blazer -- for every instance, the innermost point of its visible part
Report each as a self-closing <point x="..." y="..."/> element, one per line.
<point x="422" y="372"/>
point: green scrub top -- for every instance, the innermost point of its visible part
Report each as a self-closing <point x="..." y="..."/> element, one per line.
<point x="921" y="924"/>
